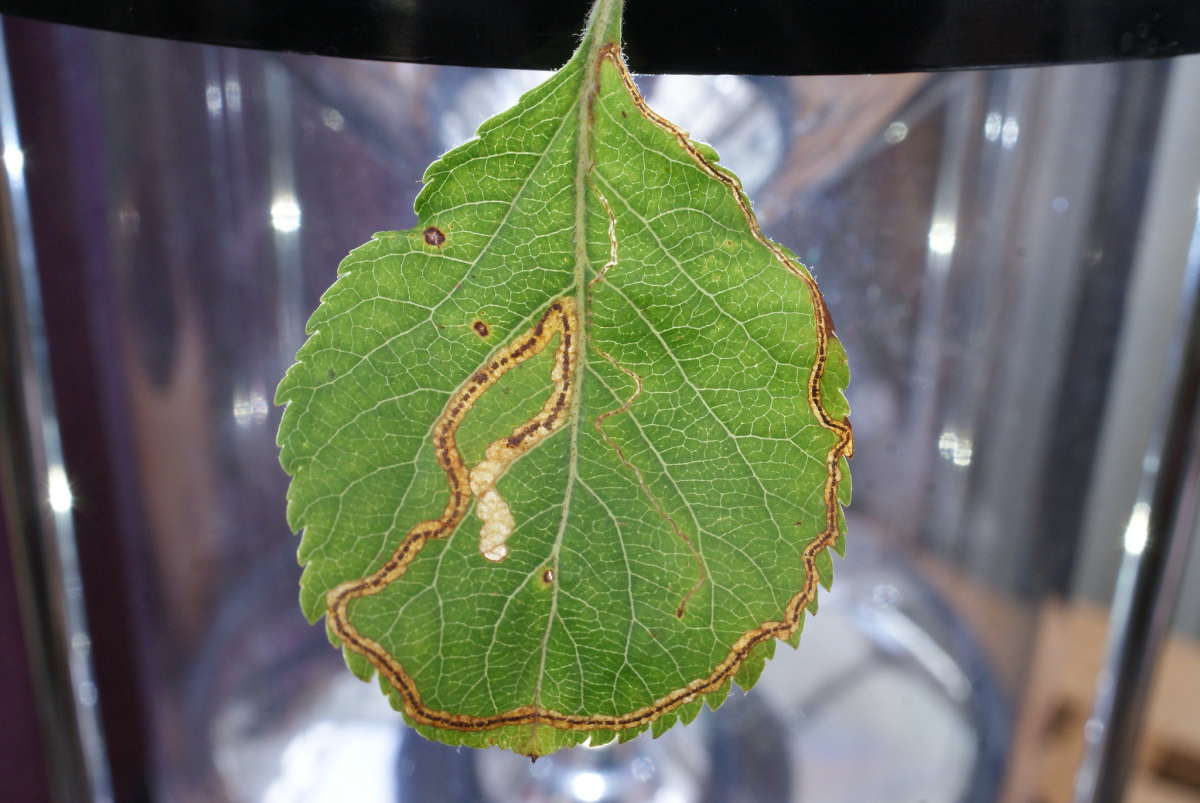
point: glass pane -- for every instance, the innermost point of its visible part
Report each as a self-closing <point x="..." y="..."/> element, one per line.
<point x="973" y="233"/>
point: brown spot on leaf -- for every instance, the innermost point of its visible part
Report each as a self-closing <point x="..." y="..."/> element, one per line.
<point x="434" y="236"/>
<point x="481" y="328"/>
<point x="548" y="576"/>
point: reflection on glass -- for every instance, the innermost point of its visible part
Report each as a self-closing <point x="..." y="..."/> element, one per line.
<point x="895" y="133"/>
<point x="1009" y="132"/>
<point x="1137" y="529"/>
<point x="60" y="490"/>
<point x="942" y="237"/>
<point x="955" y="448"/>
<point x="285" y="214"/>
<point x="991" y="125"/>
<point x="14" y="159"/>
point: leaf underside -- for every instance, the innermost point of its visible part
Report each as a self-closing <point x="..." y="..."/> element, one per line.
<point x="588" y="362"/>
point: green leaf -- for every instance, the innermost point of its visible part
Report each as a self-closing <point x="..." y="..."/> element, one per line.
<point x="568" y="455"/>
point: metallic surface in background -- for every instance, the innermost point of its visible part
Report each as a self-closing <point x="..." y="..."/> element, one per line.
<point x="973" y="236"/>
<point x="38" y="501"/>
<point x="1158" y="537"/>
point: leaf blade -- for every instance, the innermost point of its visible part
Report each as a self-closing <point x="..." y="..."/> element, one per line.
<point x="655" y="542"/>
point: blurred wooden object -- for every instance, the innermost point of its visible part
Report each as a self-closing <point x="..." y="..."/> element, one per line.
<point x="1058" y="700"/>
<point x="838" y="117"/>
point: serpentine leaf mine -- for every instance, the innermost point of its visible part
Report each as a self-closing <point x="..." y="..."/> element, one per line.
<point x="569" y="455"/>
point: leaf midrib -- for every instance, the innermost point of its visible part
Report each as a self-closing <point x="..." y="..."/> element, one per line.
<point x="600" y="23"/>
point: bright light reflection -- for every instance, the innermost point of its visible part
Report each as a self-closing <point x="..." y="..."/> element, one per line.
<point x="233" y="94"/>
<point x="1138" y="529"/>
<point x="249" y="409"/>
<point x="285" y="214"/>
<point x="992" y="125"/>
<point x="322" y="762"/>
<point x="1009" y="132"/>
<point x="59" y="489"/>
<point x="942" y="236"/>
<point x="212" y="99"/>
<point x="332" y="119"/>
<point x="955" y="448"/>
<point x="895" y="132"/>
<point x="14" y="160"/>
<point x="588" y="786"/>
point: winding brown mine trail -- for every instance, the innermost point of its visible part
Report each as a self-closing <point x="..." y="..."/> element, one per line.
<point x="561" y="319"/>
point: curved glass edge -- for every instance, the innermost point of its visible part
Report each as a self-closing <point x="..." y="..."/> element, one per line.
<point x="1164" y="518"/>
<point x="54" y="613"/>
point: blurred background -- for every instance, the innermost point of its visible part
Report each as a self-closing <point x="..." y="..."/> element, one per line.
<point x="1005" y="253"/>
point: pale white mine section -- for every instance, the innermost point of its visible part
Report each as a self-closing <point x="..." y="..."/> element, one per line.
<point x="491" y="508"/>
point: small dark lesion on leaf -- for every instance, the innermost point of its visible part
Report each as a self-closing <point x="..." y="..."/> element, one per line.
<point x="548" y="577"/>
<point x="434" y="236"/>
<point x="481" y="328"/>
<point x="332" y="374"/>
